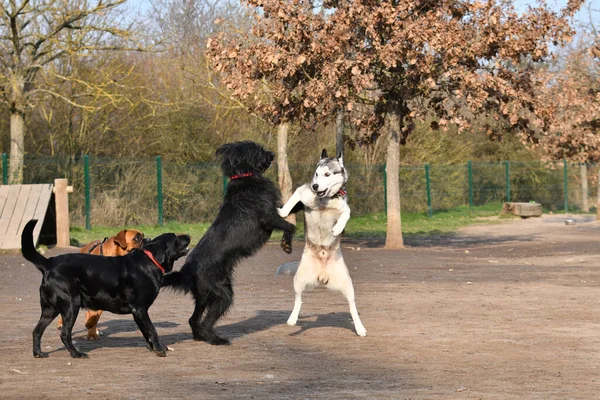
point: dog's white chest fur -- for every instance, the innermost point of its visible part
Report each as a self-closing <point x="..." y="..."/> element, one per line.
<point x="321" y="215"/>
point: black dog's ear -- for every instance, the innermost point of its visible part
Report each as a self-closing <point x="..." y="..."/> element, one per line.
<point x="223" y="149"/>
<point x="160" y="253"/>
<point x="324" y="154"/>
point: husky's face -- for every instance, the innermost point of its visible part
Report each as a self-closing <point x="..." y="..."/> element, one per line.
<point x="330" y="176"/>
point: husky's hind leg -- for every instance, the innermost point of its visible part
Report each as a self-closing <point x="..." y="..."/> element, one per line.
<point x="305" y="277"/>
<point x="339" y="279"/>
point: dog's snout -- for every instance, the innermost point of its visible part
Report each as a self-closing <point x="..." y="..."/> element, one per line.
<point x="315" y="186"/>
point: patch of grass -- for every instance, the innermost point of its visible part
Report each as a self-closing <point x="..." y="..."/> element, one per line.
<point x="363" y="226"/>
<point x="374" y="225"/>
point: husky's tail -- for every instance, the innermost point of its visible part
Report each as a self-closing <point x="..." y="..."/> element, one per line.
<point x="28" y="247"/>
<point x="178" y="281"/>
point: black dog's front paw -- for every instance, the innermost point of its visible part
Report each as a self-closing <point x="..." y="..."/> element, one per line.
<point x="79" y="355"/>
<point x="286" y="243"/>
<point x="40" y="355"/>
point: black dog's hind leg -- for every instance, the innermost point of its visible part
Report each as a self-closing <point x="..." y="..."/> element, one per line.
<point x="195" y="320"/>
<point x="69" y="315"/>
<point x="48" y="315"/>
<point x="142" y="319"/>
<point x="222" y="300"/>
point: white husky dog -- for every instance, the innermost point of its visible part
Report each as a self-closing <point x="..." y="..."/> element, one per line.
<point x="326" y="213"/>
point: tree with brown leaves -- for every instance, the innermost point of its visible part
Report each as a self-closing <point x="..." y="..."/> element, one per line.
<point x="389" y="64"/>
<point x="570" y="98"/>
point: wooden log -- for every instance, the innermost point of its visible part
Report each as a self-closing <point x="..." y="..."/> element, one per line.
<point x="523" y="210"/>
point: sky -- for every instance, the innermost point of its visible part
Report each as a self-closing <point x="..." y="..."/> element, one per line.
<point x="139" y="7"/>
<point x="583" y="16"/>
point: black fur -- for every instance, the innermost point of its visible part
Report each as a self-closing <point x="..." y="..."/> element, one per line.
<point x="243" y="224"/>
<point x="123" y="285"/>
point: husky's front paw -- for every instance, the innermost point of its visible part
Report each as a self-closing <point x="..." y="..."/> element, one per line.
<point x="282" y="213"/>
<point x="337" y="230"/>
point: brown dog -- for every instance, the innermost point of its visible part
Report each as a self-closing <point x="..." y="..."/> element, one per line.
<point x="118" y="245"/>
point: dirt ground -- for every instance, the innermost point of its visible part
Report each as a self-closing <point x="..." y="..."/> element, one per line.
<point x="505" y="311"/>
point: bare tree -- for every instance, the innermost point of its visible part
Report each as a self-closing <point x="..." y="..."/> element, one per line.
<point x="35" y="37"/>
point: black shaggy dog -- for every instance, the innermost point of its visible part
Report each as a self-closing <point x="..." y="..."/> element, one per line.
<point x="243" y="224"/>
<point x="122" y="285"/>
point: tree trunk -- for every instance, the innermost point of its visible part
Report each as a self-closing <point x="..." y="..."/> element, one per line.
<point x="284" y="178"/>
<point x="17" y="147"/>
<point x="585" y="204"/>
<point x="598" y="197"/>
<point x="393" y="237"/>
<point x="339" y="133"/>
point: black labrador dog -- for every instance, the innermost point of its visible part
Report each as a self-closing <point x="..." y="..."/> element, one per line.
<point x="245" y="221"/>
<point x="122" y="285"/>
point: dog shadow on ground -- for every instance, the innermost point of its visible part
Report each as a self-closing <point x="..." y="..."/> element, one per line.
<point x="261" y="321"/>
<point x="330" y="320"/>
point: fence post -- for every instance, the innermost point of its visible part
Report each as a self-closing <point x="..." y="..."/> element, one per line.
<point x="61" y="200"/>
<point x="428" y="186"/>
<point x="384" y="189"/>
<point x="566" y="185"/>
<point x="86" y="184"/>
<point x="507" y="174"/>
<point x="159" y="189"/>
<point x="4" y="169"/>
<point x="470" y="177"/>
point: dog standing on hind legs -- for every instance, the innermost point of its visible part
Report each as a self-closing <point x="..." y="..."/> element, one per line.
<point x="326" y="213"/>
<point x="245" y="221"/>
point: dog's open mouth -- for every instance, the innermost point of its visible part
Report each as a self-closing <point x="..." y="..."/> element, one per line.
<point x="322" y="193"/>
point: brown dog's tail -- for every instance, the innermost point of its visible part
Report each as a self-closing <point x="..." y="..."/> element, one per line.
<point x="28" y="247"/>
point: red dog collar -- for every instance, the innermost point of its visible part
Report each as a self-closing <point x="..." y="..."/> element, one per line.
<point x="154" y="261"/>
<point x="241" y="175"/>
<point x="341" y="193"/>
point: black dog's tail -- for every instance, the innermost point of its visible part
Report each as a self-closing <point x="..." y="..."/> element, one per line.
<point x="28" y="247"/>
<point x="178" y="281"/>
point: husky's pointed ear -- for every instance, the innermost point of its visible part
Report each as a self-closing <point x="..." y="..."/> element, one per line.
<point x="341" y="158"/>
<point x="324" y="154"/>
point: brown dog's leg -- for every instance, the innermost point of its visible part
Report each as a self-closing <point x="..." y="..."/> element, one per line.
<point x="91" y="323"/>
<point x="59" y="325"/>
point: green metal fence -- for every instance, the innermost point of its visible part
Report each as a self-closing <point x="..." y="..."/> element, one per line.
<point x="117" y="192"/>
